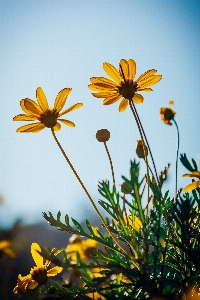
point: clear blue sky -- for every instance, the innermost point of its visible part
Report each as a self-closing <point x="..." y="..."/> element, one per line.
<point x="57" y="44"/>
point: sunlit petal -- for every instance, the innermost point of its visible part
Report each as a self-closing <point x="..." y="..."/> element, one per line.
<point x="54" y="271"/>
<point x="61" y="98"/>
<point x="41" y="98"/>
<point x="149" y="81"/>
<point x="38" y="259"/>
<point x="193" y="174"/>
<point x="71" y="108"/>
<point x="23" y="117"/>
<point x="123" y="105"/>
<point x="112" y="99"/>
<point x="24" y="108"/>
<point x="131" y="69"/>
<point x="33" y="127"/>
<point x="112" y="72"/>
<point x="57" y="127"/>
<point x="124" y="66"/>
<point x="145" y="89"/>
<point x="32" y="285"/>
<point x="146" y="75"/>
<point x="138" y="99"/>
<point x="103" y="94"/>
<point x="192" y="186"/>
<point x="32" y="107"/>
<point x="102" y="80"/>
<point x="66" y="122"/>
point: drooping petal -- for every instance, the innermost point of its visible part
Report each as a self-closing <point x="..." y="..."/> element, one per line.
<point x="138" y="99"/>
<point x="38" y="259"/>
<point x="32" y="285"/>
<point x="151" y="80"/>
<point x="193" y="174"/>
<point x="61" y="98"/>
<point x="146" y="75"/>
<point x="24" y="117"/>
<point x="131" y="69"/>
<point x="32" y="107"/>
<point x="71" y="108"/>
<point x="57" y="127"/>
<point x="67" y="122"/>
<point x="103" y="94"/>
<point x="124" y="66"/>
<point x="123" y="105"/>
<point x="112" y="99"/>
<point x="112" y="72"/>
<point x="54" y="271"/>
<point x="41" y="98"/>
<point x="192" y="186"/>
<point x="33" y="127"/>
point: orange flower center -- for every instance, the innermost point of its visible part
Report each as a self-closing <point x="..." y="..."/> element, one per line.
<point x="128" y="89"/>
<point x="39" y="274"/>
<point x="49" y="118"/>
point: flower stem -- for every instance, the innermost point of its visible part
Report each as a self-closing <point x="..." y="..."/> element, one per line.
<point x="177" y="152"/>
<point x="111" y="165"/>
<point x="90" y="198"/>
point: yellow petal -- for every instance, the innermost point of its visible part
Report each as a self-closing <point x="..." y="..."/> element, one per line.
<point x="71" y="108"/>
<point x="146" y="75"/>
<point x="32" y="107"/>
<point x="24" y="117"/>
<point x="193" y="174"/>
<point x="112" y="72"/>
<point x="138" y="99"/>
<point x="61" y="98"/>
<point x="103" y="94"/>
<point x="131" y="69"/>
<point x="112" y="99"/>
<point x="192" y="186"/>
<point x="4" y="244"/>
<point x="24" y="108"/>
<point x="123" y="105"/>
<point x="32" y="285"/>
<point x="124" y="66"/>
<point x="103" y="81"/>
<point x="38" y="259"/>
<point x="57" y="127"/>
<point x="41" y="98"/>
<point x="101" y="88"/>
<point x="145" y="89"/>
<point x="66" y="122"/>
<point x="149" y="81"/>
<point x="54" y="271"/>
<point x="33" y="127"/>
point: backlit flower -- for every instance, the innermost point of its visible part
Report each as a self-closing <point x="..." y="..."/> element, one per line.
<point x="47" y="117"/>
<point x="5" y="247"/>
<point x="167" y="114"/>
<point x="194" y="184"/>
<point x="38" y="274"/>
<point x="117" y="88"/>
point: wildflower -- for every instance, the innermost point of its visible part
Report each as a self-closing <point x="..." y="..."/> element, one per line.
<point x="103" y="135"/>
<point x="117" y="88"/>
<point x="167" y="114"/>
<point x="47" y="117"/>
<point x="5" y="247"/>
<point x="85" y="248"/>
<point x="39" y="274"/>
<point x="194" y="184"/>
<point x="140" y="149"/>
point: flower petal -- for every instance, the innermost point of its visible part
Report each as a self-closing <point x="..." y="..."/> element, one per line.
<point x="41" y="98"/>
<point x="192" y="186"/>
<point x="32" y="107"/>
<point x="193" y="174"/>
<point x="112" y="72"/>
<point x="38" y="259"/>
<point x="54" y="271"/>
<point x="123" y="105"/>
<point x="103" y="81"/>
<point x="67" y="122"/>
<point x="145" y="89"/>
<point x="71" y="108"/>
<point x="61" y="98"/>
<point x="131" y="69"/>
<point x="112" y="99"/>
<point x="124" y="65"/>
<point x="33" y="127"/>
<point x="103" y="94"/>
<point x="149" y="81"/>
<point x="146" y="75"/>
<point x="24" y="108"/>
<point x="138" y="99"/>
<point x="57" y="127"/>
<point x="24" y="117"/>
<point x="32" y="285"/>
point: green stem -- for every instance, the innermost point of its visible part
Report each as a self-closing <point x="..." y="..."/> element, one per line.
<point x="177" y="152"/>
<point x="90" y="198"/>
<point x="111" y="165"/>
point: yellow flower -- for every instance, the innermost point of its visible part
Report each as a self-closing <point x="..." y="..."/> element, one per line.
<point x="167" y="114"/>
<point x="5" y="247"/>
<point x="194" y="184"/>
<point x="85" y="248"/>
<point x="117" y="88"/>
<point x="39" y="274"/>
<point x="41" y="111"/>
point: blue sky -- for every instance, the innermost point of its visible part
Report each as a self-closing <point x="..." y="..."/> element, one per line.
<point x="58" y="44"/>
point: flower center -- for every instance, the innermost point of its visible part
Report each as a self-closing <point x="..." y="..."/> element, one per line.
<point x="127" y="89"/>
<point x="49" y="118"/>
<point x="39" y="274"/>
<point x="168" y="114"/>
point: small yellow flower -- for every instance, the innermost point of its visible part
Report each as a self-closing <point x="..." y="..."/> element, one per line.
<point x="85" y="248"/>
<point x="194" y="184"/>
<point x="167" y="114"/>
<point x="47" y="117"/>
<point x="115" y="89"/>
<point x="39" y="274"/>
<point x="5" y="247"/>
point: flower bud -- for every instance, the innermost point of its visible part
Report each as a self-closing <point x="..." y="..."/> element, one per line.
<point x="126" y="188"/>
<point x="103" y="135"/>
<point x="140" y="149"/>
